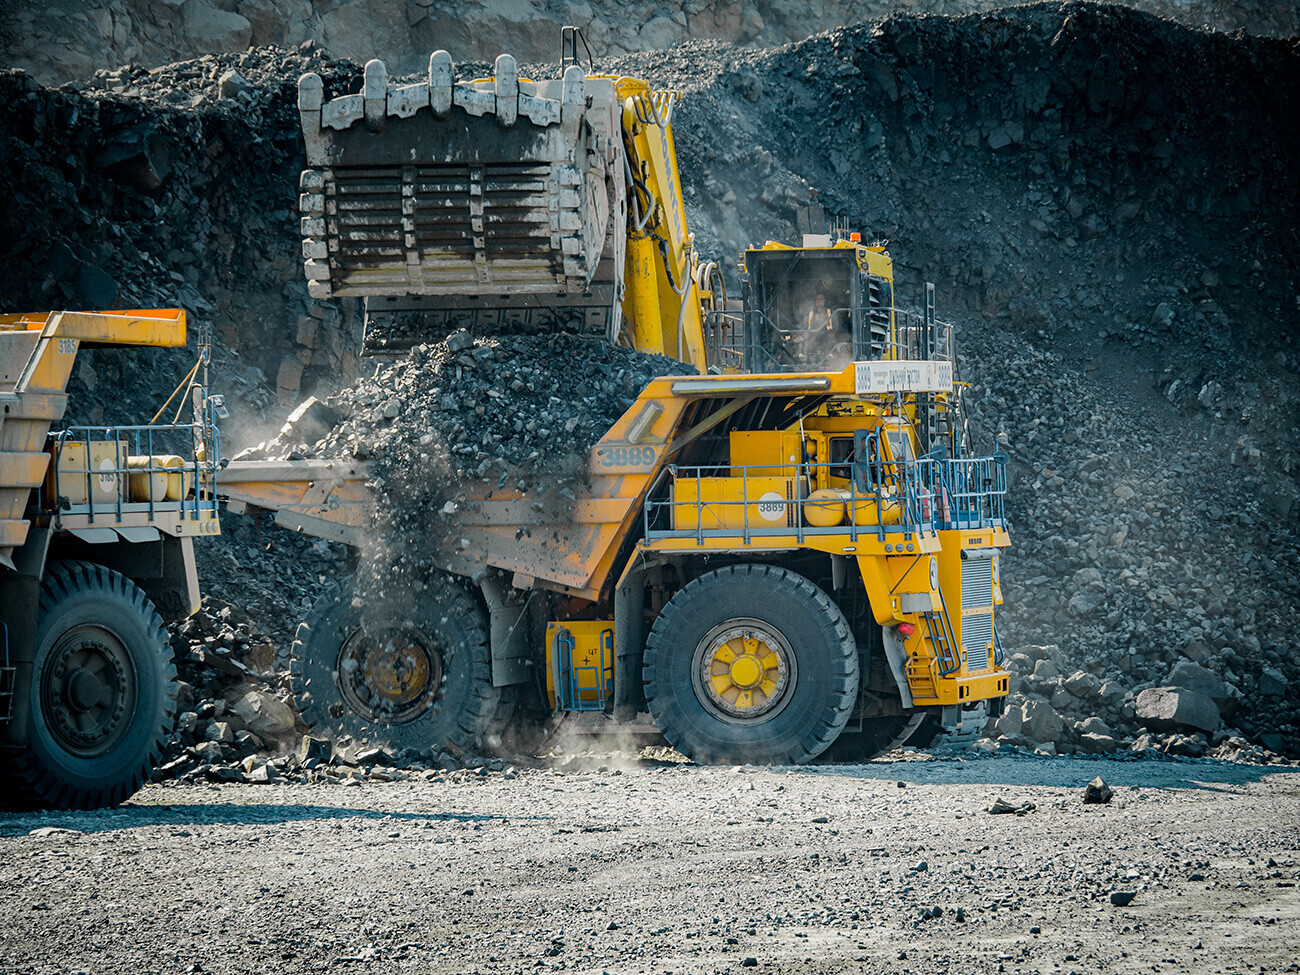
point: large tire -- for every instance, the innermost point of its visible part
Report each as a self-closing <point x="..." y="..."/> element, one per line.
<point x="751" y="664"/>
<point x="417" y="677"/>
<point x="101" y="694"/>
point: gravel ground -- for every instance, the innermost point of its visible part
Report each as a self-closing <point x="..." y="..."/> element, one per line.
<point x="650" y="867"/>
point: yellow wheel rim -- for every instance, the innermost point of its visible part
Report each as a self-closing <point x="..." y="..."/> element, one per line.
<point x="744" y="669"/>
<point x="391" y="677"/>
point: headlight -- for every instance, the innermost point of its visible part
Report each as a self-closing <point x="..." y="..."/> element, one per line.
<point x="997" y="579"/>
<point x="934" y="574"/>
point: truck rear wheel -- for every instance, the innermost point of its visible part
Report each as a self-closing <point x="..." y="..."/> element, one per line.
<point x="751" y="664"/>
<point x="412" y="677"/>
<point x="100" y="694"/>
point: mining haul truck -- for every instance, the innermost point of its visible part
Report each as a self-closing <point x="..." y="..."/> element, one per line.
<point x="97" y="527"/>
<point x="786" y="548"/>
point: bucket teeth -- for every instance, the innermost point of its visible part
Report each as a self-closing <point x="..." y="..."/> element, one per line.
<point x="493" y="193"/>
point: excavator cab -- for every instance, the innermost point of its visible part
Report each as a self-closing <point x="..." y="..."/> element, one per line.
<point x="815" y="308"/>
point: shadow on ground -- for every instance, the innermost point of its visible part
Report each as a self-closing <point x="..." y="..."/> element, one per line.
<point x="218" y="813"/>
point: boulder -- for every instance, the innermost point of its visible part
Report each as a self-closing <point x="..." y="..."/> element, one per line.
<point x="1272" y="683"/>
<point x="1046" y="670"/>
<point x="1167" y="708"/>
<point x="1091" y="743"/>
<point x="1009" y="723"/>
<point x="1094" y="726"/>
<point x="231" y="84"/>
<point x="1202" y="680"/>
<point x="1039" y="722"/>
<point x="1082" y="684"/>
<point x="1097" y="792"/>
<point x="265" y="715"/>
<point x="310" y="421"/>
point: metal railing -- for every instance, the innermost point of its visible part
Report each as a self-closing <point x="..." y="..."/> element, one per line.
<point x="878" y="497"/>
<point x="143" y="468"/>
<point x="967" y="492"/>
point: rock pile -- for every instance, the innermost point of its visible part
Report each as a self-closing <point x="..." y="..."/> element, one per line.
<point x="522" y="411"/>
<point x="106" y="33"/>
<point x="170" y="188"/>
<point x="232" y="712"/>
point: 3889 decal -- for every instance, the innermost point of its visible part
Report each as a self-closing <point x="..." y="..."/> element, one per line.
<point x="627" y="456"/>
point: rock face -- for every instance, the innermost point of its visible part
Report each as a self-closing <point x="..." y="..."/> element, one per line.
<point x="1167" y="708"/>
<point x="109" y="33"/>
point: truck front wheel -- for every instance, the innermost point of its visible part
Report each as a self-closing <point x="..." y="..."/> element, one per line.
<point x="751" y="664"/>
<point x="100" y="694"/>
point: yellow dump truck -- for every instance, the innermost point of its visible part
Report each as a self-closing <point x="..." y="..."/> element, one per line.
<point x="97" y="526"/>
<point x="763" y="562"/>
<point x="785" y="548"/>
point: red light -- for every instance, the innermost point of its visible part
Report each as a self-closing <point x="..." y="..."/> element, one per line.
<point x="907" y="629"/>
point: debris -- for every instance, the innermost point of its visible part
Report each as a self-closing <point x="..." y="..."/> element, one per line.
<point x="1002" y="807"/>
<point x="1122" y="898"/>
<point x="1097" y="791"/>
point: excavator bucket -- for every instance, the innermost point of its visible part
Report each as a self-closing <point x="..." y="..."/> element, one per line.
<point x="496" y="203"/>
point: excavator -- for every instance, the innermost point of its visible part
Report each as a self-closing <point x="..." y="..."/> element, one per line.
<point x="788" y="550"/>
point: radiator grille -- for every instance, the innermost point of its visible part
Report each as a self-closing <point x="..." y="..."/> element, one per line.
<point x="976" y="583"/>
<point x="976" y="634"/>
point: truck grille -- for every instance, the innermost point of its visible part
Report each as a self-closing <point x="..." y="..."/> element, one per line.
<point x="976" y="634"/>
<point x="976" y="583"/>
<point x="977" y="593"/>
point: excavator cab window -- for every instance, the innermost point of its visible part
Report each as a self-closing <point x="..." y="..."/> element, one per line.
<point x="809" y="309"/>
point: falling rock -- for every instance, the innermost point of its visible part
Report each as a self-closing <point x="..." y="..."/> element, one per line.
<point x="265" y="715"/>
<point x="310" y="421"/>
<point x="1167" y="708"/>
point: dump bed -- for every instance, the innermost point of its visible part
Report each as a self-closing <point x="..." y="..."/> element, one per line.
<point x="553" y="535"/>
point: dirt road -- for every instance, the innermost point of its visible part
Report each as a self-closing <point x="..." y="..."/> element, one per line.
<point x="893" y="866"/>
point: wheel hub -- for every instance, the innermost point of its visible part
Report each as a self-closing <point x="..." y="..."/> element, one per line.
<point x="391" y="677"/>
<point x="744" y="670"/>
<point x="88" y="690"/>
